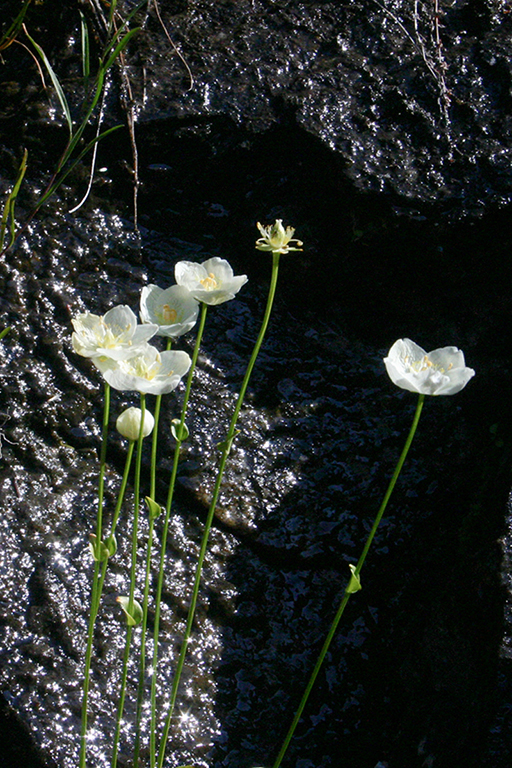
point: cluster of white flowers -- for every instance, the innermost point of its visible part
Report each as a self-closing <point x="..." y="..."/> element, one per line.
<point x="118" y="346"/>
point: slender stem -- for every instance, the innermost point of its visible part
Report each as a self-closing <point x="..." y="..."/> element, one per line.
<point x="94" y="587"/>
<point x="165" y="529"/>
<point x="392" y="483"/>
<point x="122" y="694"/>
<point x="120" y="499"/>
<point x="133" y="574"/>
<point x="347" y="593"/>
<point x="226" y="447"/>
<point x="152" y="494"/>
<point x="136" y="502"/>
<point x="154" y="444"/>
<point x="103" y="462"/>
<point x="142" y="664"/>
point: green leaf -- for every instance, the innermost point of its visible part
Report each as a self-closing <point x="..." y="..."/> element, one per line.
<point x="119" y="48"/>
<point x="154" y="509"/>
<point x="225" y="445"/>
<point x="75" y="162"/>
<point x="110" y="545"/>
<point x="133" y="613"/>
<point x="179" y="432"/>
<point x="8" y="213"/>
<point x="354" y="585"/>
<point x="86" y="67"/>
<point x="15" y="27"/>
<point x="99" y="551"/>
<point x="4" y="332"/>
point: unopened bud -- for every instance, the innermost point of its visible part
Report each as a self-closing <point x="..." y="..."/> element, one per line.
<point x="128" y="423"/>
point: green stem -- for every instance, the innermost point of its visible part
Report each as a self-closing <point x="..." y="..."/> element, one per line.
<point x="165" y="530"/>
<point x="94" y="588"/>
<point x="225" y="452"/>
<point x="154" y="444"/>
<point x="142" y="665"/>
<point x="133" y="574"/>
<point x="120" y="499"/>
<point x="348" y="591"/>
<point x="122" y="694"/>
<point x="152" y="495"/>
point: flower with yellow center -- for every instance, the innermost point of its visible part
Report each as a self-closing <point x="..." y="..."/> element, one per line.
<point x="116" y="335"/>
<point x="148" y="372"/>
<point x="440" y="372"/>
<point x="211" y="282"/>
<point x="277" y="239"/>
<point x="174" y="309"/>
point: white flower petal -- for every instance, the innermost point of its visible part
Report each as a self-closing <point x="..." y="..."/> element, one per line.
<point x="115" y="335"/>
<point x="174" y="309"/>
<point x="148" y="372"/>
<point x="212" y="282"/>
<point x="440" y="372"/>
<point x="220" y="268"/>
<point x="176" y="362"/>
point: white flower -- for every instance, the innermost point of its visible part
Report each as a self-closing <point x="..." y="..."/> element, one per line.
<point x="441" y="372"/>
<point x="148" y="372"/>
<point x="174" y="309"/>
<point x="276" y="238"/>
<point x="128" y="423"/>
<point x="211" y="282"/>
<point x="115" y="335"/>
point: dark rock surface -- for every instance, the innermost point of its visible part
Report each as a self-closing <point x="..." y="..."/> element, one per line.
<point x="320" y="434"/>
<point x="296" y="108"/>
<point x="412" y="98"/>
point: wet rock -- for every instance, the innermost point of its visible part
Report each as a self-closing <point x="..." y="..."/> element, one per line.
<point x="320" y="433"/>
<point x="294" y="106"/>
<point x="411" y="98"/>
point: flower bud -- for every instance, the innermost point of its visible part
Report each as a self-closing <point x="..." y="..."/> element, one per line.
<point x="128" y="423"/>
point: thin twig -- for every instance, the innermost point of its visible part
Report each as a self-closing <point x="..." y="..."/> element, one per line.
<point x="176" y="49"/>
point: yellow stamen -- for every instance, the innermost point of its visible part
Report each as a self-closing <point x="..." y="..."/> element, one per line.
<point x="209" y="283"/>
<point x="169" y="315"/>
<point x="422" y="365"/>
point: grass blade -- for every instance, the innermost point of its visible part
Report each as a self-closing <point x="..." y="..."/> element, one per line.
<point x="120" y="47"/>
<point x="8" y="213"/>
<point x="55" y="80"/>
<point x="86" y="58"/>
<point x="8" y="37"/>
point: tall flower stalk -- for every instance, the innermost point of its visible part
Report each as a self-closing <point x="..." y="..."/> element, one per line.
<point x="180" y="432"/>
<point x="154" y="443"/>
<point x="354" y="585"/>
<point x="129" y="605"/>
<point x="277" y="238"/>
<point x="95" y="548"/>
<point x="440" y="372"/>
<point x="154" y="511"/>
